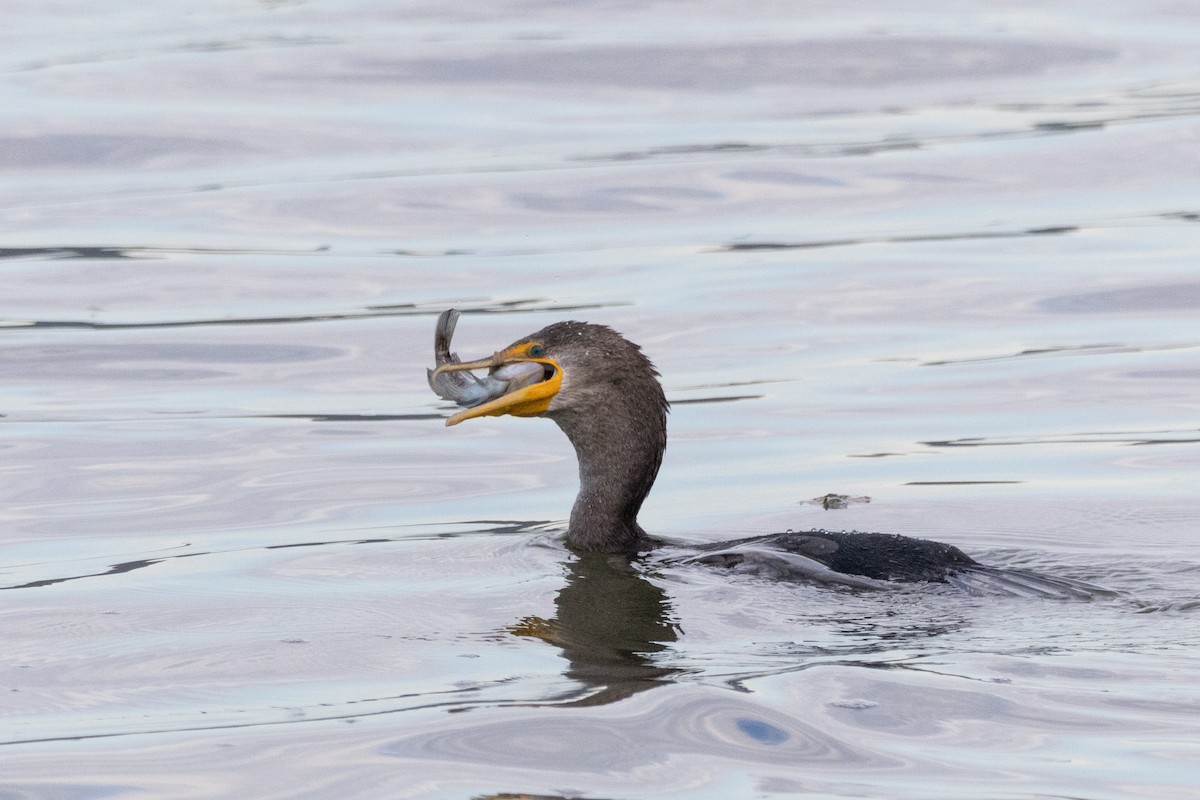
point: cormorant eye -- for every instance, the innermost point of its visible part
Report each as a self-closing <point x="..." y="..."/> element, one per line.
<point x="536" y="351"/>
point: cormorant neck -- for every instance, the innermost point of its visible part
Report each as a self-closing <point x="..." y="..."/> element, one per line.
<point x="619" y="442"/>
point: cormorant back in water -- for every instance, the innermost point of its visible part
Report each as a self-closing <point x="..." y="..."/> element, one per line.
<point x="605" y="395"/>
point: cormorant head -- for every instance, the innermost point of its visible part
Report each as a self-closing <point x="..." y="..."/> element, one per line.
<point x="584" y="367"/>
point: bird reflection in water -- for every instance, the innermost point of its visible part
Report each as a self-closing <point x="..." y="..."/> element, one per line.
<point x="609" y="622"/>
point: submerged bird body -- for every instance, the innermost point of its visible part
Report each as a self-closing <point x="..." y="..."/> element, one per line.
<point x="878" y="556"/>
<point x="605" y="395"/>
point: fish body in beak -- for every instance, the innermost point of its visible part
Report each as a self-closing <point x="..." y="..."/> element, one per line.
<point x="517" y="382"/>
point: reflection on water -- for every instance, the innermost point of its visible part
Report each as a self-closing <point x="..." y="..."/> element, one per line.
<point x="232" y="523"/>
<point x="1171" y="297"/>
<point x="665" y="727"/>
<point x="732" y="67"/>
<point x="609" y="621"/>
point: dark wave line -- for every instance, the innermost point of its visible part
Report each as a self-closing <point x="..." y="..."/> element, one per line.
<point x="1080" y="349"/>
<point x="939" y="237"/>
<point x="726" y="399"/>
<point x="957" y="483"/>
<point x="1081" y="438"/>
<point x="862" y="148"/>
<point x="496" y="527"/>
<point x="219" y="726"/>
<point x="371" y="312"/>
<point x="62" y="252"/>
<point x="115" y="569"/>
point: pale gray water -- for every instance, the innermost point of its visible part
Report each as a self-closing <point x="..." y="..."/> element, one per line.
<point x="943" y="255"/>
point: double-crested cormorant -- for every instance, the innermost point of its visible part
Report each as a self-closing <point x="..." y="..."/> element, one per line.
<point x="605" y="395"/>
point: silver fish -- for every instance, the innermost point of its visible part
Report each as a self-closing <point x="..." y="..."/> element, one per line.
<point x="462" y="387"/>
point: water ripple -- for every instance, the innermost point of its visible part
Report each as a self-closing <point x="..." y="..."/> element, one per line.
<point x="677" y="721"/>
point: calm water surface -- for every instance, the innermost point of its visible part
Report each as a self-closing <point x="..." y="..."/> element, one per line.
<point x="944" y="257"/>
